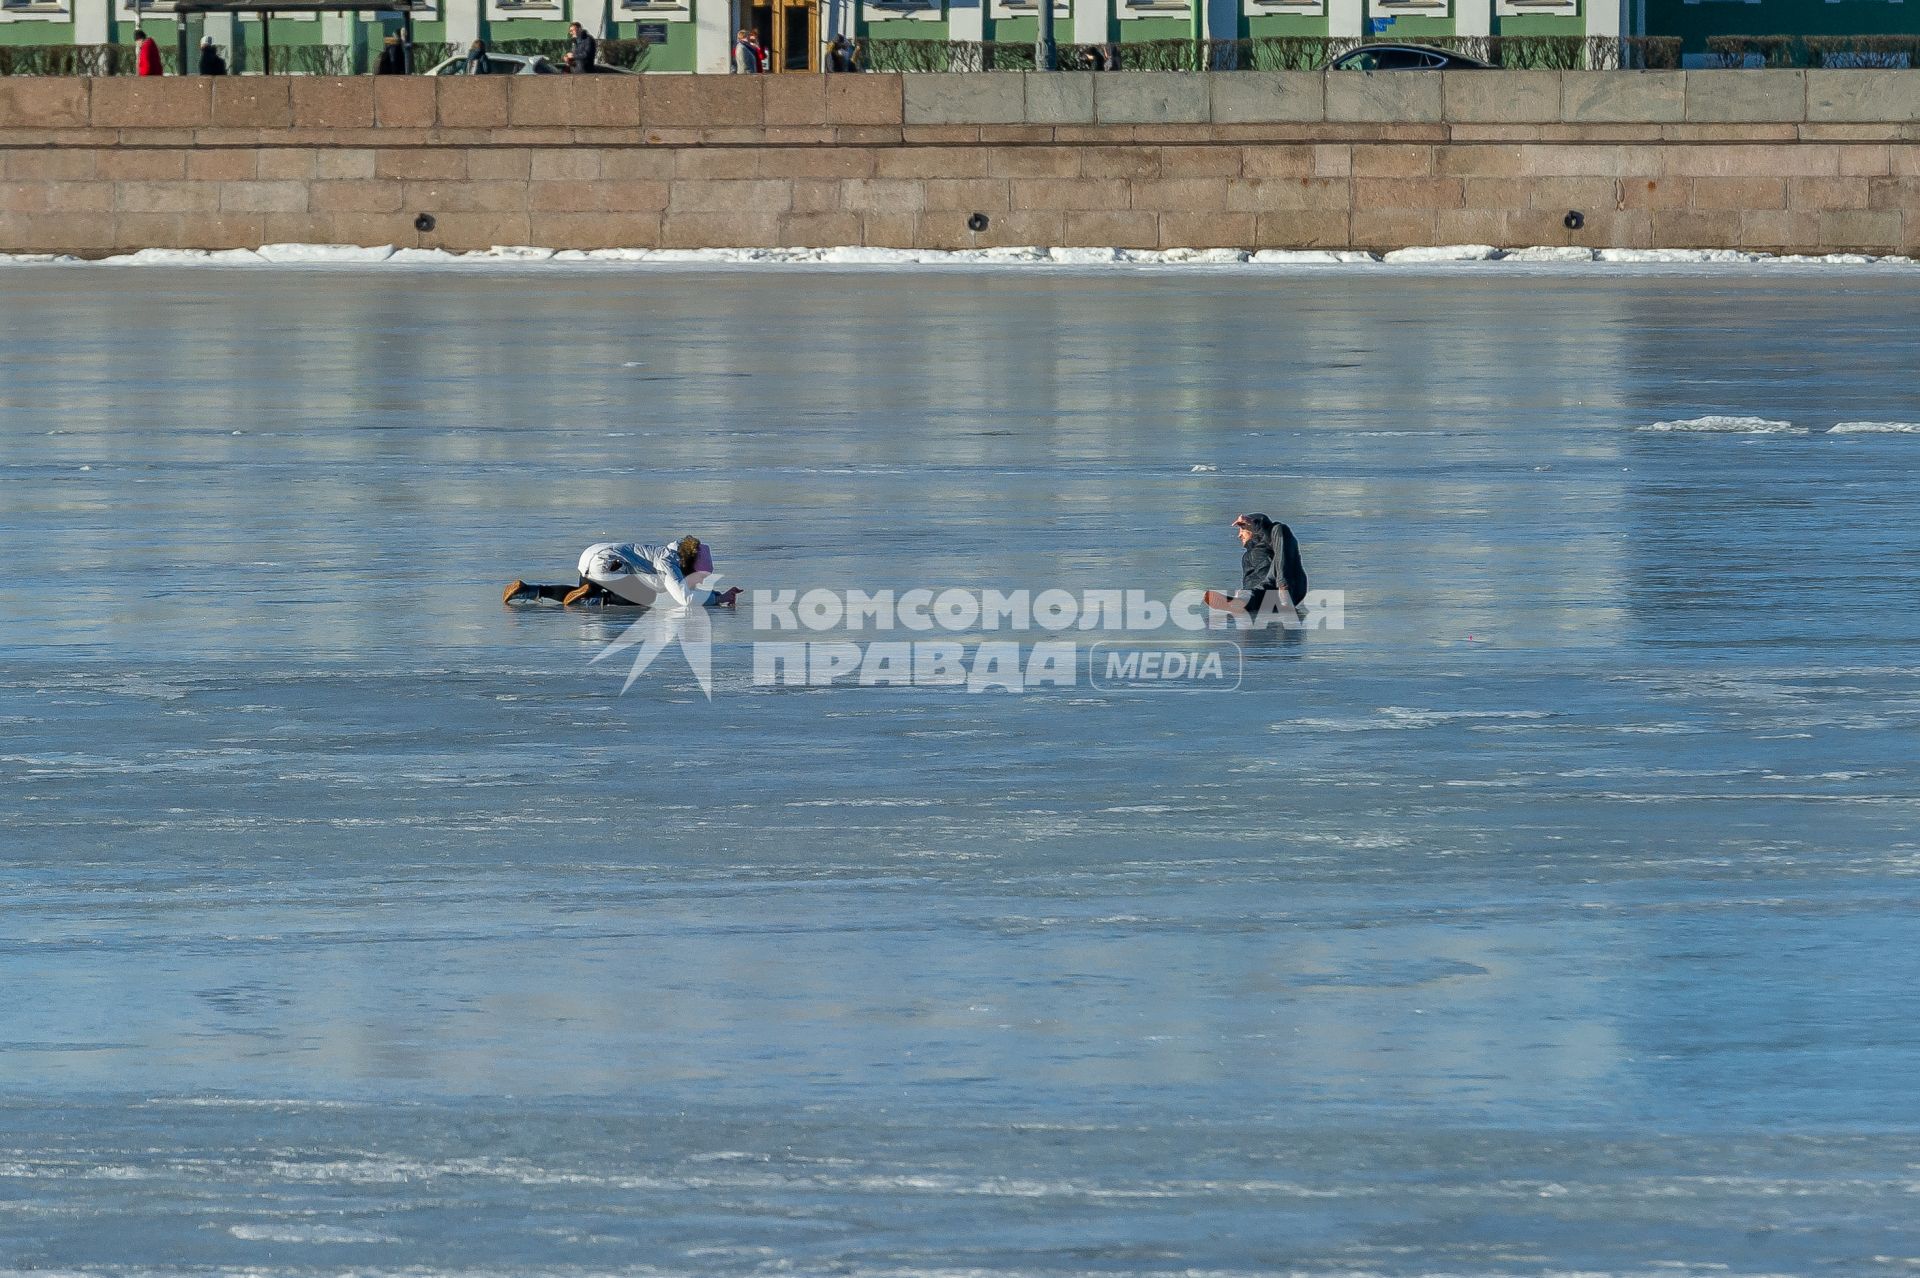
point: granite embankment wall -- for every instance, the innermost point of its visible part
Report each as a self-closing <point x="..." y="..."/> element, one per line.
<point x="1810" y="161"/>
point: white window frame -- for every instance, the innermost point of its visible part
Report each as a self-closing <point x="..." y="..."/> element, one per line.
<point x="1521" y="8"/>
<point x="36" y="11"/>
<point x="656" y="10"/>
<point x="999" y="9"/>
<point x="545" y="10"/>
<point x="1298" y="8"/>
<point x="902" y="10"/>
<point x="1415" y="8"/>
<point x="1128" y="10"/>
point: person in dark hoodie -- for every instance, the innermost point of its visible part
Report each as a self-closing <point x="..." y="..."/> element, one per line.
<point x="584" y="51"/>
<point x="1271" y="574"/>
<point x="211" y="63"/>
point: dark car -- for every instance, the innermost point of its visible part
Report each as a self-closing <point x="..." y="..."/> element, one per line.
<point x="1404" y="57"/>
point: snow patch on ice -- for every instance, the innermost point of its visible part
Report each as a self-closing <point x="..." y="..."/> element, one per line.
<point x="423" y="257"/>
<point x="1876" y="428"/>
<point x="298" y="1233"/>
<point x="1549" y="253"/>
<point x="1647" y="257"/>
<point x="325" y="252"/>
<point x="1445" y="253"/>
<point x="1313" y="257"/>
<point x="1084" y="256"/>
<point x="1716" y="424"/>
<point x="1203" y="470"/>
<point x="515" y="253"/>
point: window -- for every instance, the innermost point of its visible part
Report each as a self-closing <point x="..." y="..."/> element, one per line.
<point x="1062" y="9"/>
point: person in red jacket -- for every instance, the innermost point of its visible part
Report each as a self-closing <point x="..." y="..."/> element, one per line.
<point x="146" y="54"/>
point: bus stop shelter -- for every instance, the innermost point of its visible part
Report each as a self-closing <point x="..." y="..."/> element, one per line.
<point x="265" y="10"/>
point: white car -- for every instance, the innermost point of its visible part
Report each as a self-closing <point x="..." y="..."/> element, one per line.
<point x="500" y="64"/>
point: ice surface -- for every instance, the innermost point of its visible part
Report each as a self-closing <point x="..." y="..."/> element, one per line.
<point x="1876" y="428"/>
<point x="1553" y="917"/>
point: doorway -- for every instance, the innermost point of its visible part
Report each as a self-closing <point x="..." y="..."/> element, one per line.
<point x="789" y="31"/>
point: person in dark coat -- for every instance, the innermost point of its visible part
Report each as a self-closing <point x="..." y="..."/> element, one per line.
<point x="585" y="50"/>
<point x="477" y="61"/>
<point x="211" y="63"/>
<point x="393" y="58"/>
<point x="1271" y="574"/>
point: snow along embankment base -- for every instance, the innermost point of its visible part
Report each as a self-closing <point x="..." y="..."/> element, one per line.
<point x="521" y="255"/>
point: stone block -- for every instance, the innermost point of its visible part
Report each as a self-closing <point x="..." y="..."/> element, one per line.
<point x="1382" y="229"/>
<point x="755" y="196"/>
<point x="873" y="100"/>
<point x="1897" y="193"/>
<point x="1510" y="97"/>
<point x="1614" y="228"/>
<point x="332" y="101"/>
<point x="1070" y="193"/>
<point x="1182" y="195"/>
<point x="1865" y="231"/>
<point x="134" y="165"/>
<point x="404" y="101"/>
<point x="264" y="197"/>
<point x="1206" y="230"/>
<point x="1111" y="229"/>
<point x="716" y="162"/>
<point x="595" y="230"/>
<point x="1264" y="195"/>
<point x="1739" y="193"/>
<point x="921" y="162"/>
<point x="1862" y="96"/>
<point x="1200" y="161"/>
<point x="1499" y="193"/>
<point x="1058" y="97"/>
<point x="1033" y="161"/>
<point x="165" y="102"/>
<point x="44" y="102"/>
<point x="372" y="196"/>
<point x="1559" y="194"/>
<point x="1016" y="133"/>
<point x="1372" y="97"/>
<point x="1656" y="193"/>
<point x="1040" y="228"/>
<point x="979" y="195"/>
<point x="463" y="231"/>
<point x="565" y="165"/>
<point x="1731" y="97"/>
<point x="1300" y="229"/>
<point x="1477" y="160"/>
<point x="996" y="97"/>
<point x="465" y="197"/>
<point x="421" y="164"/>
<point x="1260" y="97"/>
<point x="795" y="101"/>
<point x="721" y="229"/>
<point x="651" y="163"/>
<point x="285" y="163"/>
<point x="1470" y="226"/>
<point x="598" y="197"/>
<point x="940" y="134"/>
<point x="63" y="165"/>
<point x="497" y="163"/>
<point x="1575" y="161"/>
<point x="1780" y="231"/>
<point x="1151" y="97"/>
<point x="1119" y="161"/>
<point x="704" y="101"/>
<point x="479" y="102"/>
<point x="882" y="195"/>
<point x="896" y="230"/>
<point x="166" y="197"/>
<point x="600" y="101"/>
<point x="1392" y="161"/>
<point x="23" y="197"/>
<point x="224" y="165"/>
<point x="815" y="195"/>
<point x="1328" y="161"/>
<point x="1623" y="97"/>
<point x="866" y="134"/>
<point x="1695" y="228"/>
<point x="80" y="197"/>
<point x="819" y="230"/>
<point x="540" y="100"/>
<point x="1408" y="193"/>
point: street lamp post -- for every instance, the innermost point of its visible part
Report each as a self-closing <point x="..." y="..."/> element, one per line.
<point x="1046" y="55"/>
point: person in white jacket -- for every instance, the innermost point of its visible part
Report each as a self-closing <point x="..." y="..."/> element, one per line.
<point x="632" y="573"/>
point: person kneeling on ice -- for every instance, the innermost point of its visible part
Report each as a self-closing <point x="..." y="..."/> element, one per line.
<point x="1271" y="575"/>
<point x="613" y="572"/>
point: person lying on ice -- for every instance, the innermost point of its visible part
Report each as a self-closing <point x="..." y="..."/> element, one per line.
<point x="1271" y="575"/>
<point x="613" y="572"/>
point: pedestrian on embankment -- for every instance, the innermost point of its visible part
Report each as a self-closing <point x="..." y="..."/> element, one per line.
<point x="146" y="55"/>
<point x="211" y="63"/>
<point x="585" y="51"/>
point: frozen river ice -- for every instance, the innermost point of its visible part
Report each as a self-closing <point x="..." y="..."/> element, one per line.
<point x="1558" y="914"/>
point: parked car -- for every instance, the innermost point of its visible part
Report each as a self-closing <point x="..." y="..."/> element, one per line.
<point x="1404" y="57"/>
<point x="501" y="64"/>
